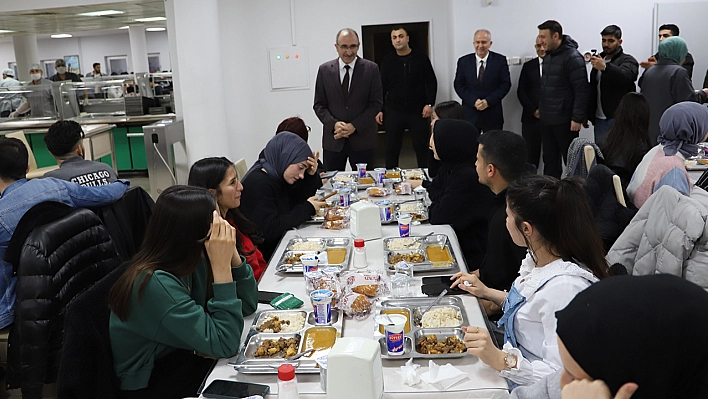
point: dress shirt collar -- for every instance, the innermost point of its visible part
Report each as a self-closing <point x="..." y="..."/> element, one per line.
<point x="342" y="64"/>
<point x="481" y="59"/>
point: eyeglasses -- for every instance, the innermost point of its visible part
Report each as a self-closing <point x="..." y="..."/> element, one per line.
<point x="309" y="129"/>
<point x="345" y="48"/>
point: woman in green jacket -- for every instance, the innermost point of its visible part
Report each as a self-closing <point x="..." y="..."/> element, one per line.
<point x="185" y="291"/>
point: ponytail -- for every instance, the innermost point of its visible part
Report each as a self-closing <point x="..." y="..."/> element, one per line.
<point x="559" y="210"/>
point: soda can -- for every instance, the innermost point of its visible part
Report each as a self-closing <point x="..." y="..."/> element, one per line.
<point x="322" y="305"/>
<point x="380" y="175"/>
<point x="385" y="210"/>
<point x="394" y="335"/>
<point x="361" y="169"/>
<point x="404" y="224"/>
<point x="344" y="197"/>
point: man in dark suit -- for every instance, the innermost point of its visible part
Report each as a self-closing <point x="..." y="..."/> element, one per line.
<point x="482" y="80"/>
<point x="529" y="92"/>
<point x="348" y="96"/>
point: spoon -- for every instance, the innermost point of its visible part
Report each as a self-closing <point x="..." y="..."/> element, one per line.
<point x="299" y="355"/>
<point x="419" y="317"/>
<point x="383" y="318"/>
<point x="412" y="243"/>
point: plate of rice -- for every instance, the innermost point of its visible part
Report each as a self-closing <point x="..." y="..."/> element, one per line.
<point x="443" y="316"/>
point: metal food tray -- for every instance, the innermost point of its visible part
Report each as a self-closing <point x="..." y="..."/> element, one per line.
<point x="414" y="306"/>
<point x="426" y="265"/>
<point x="421" y="210"/>
<point x="247" y="363"/>
<point x="414" y="174"/>
<point x="365" y="186"/>
<point x="327" y="243"/>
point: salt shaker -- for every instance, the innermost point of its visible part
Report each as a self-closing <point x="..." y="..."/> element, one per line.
<point x="287" y="382"/>
<point x="360" y="261"/>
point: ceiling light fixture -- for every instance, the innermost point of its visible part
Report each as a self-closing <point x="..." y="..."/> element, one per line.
<point x="151" y="19"/>
<point x="124" y="27"/>
<point x="155" y="29"/>
<point x="61" y="36"/>
<point x="6" y="31"/>
<point x="100" y="13"/>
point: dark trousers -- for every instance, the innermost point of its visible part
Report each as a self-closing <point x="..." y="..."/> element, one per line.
<point x="177" y="375"/>
<point x="556" y="140"/>
<point x="334" y="160"/>
<point x="533" y="134"/>
<point x="396" y="123"/>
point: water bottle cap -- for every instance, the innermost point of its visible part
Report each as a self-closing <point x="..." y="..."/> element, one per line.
<point x="359" y="243"/>
<point x="286" y="372"/>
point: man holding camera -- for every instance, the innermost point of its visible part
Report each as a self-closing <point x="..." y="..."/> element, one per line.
<point x="612" y="76"/>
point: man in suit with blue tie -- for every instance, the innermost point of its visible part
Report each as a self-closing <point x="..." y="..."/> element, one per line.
<point x="482" y="80"/>
<point x="348" y="96"/>
<point x="529" y="93"/>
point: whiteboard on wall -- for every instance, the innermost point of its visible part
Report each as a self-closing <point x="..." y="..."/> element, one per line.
<point x="288" y="68"/>
<point x="690" y="18"/>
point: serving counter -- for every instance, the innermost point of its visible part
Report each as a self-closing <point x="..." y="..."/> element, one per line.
<point x="483" y="381"/>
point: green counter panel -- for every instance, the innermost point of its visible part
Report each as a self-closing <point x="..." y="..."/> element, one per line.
<point x="39" y="148"/>
<point x="137" y="149"/>
<point x="122" y="148"/>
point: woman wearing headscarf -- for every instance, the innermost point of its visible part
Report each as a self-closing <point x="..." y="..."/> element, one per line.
<point x="682" y="126"/>
<point x="667" y="83"/>
<point x="630" y="334"/>
<point x="458" y="198"/>
<point x="265" y="199"/>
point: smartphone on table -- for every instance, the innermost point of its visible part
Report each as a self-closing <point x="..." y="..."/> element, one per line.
<point x="223" y="389"/>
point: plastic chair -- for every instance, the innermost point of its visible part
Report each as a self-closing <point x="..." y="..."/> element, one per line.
<point x="34" y="172"/>
<point x="241" y="168"/>
<point x="589" y="156"/>
<point x="617" y="183"/>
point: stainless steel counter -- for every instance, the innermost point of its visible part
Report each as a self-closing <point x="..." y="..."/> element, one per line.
<point x="44" y="123"/>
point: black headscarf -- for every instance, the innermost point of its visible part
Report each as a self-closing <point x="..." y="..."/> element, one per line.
<point x="455" y="141"/>
<point x="283" y="150"/>
<point x="649" y="330"/>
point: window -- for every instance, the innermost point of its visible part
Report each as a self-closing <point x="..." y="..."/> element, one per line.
<point x="48" y="68"/>
<point x="154" y="62"/>
<point x="117" y="64"/>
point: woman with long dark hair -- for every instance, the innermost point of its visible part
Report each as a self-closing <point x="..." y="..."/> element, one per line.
<point x="218" y="175"/>
<point x="627" y="140"/>
<point x="266" y="200"/>
<point x="186" y="290"/>
<point x="552" y="218"/>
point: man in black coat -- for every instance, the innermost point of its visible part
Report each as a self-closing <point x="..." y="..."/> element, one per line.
<point x="529" y="93"/>
<point x="501" y="159"/>
<point x="409" y="89"/>
<point x="668" y="30"/>
<point x="482" y="80"/>
<point x="347" y="99"/>
<point x="612" y="76"/>
<point x="564" y="95"/>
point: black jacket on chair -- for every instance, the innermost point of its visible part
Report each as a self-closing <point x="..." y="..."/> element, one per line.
<point x="58" y="261"/>
<point x="611" y="217"/>
<point x="86" y="366"/>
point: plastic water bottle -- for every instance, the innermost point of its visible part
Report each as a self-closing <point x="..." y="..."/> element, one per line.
<point x="287" y="382"/>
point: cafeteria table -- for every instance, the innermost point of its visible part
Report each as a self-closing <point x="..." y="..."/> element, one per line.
<point x="483" y="381"/>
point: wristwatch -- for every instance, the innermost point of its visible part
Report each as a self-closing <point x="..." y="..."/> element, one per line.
<point x="511" y="361"/>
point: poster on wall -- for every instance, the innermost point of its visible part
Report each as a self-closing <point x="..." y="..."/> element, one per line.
<point x="72" y="64"/>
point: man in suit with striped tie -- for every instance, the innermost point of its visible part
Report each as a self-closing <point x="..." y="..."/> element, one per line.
<point x="348" y="96"/>
<point x="482" y="80"/>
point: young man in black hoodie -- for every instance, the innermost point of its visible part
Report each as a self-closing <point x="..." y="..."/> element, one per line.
<point x="409" y="89"/>
<point x="564" y="95"/>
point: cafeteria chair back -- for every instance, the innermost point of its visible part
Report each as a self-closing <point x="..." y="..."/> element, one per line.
<point x="241" y="168"/>
<point x="58" y="261"/>
<point x="34" y="171"/>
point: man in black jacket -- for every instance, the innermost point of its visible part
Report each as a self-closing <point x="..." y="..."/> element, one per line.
<point x="612" y="76"/>
<point x="564" y="95"/>
<point x="668" y="30"/>
<point x="501" y="159"/>
<point x="409" y="89"/>
<point x="529" y="92"/>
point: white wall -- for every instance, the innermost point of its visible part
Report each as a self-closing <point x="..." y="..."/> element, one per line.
<point x="247" y="32"/>
<point x="92" y="49"/>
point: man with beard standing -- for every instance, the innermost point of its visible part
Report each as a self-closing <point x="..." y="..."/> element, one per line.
<point x="612" y="76"/>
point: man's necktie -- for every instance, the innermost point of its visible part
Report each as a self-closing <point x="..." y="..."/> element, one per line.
<point x="345" y="82"/>
<point x="481" y="71"/>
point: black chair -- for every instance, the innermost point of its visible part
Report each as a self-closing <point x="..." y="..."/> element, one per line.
<point x="58" y="261"/>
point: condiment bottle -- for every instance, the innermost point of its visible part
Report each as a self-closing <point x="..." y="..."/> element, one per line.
<point x="360" y="261"/>
<point x="287" y="382"/>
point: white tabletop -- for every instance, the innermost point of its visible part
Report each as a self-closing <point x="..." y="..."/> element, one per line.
<point x="483" y="381"/>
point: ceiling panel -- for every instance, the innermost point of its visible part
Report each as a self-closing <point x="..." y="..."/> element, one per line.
<point x="66" y="20"/>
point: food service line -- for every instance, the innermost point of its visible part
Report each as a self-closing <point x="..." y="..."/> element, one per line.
<point x="483" y="381"/>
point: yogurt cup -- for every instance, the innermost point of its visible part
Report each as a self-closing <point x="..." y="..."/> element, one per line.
<point x="322" y="305"/>
<point x="404" y="224"/>
<point x="394" y="334"/>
